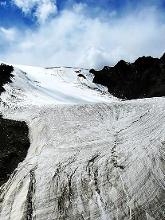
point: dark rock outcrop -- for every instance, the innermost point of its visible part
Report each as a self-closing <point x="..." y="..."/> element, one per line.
<point x="5" y="75"/>
<point x="14" y="144"/>
<point x="81" y="75"/>
<point x="144" y="78"/>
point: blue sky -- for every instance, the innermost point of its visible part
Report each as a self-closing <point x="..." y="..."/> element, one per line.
<point x="11" y="15"/>
<point x="88" y="33"/>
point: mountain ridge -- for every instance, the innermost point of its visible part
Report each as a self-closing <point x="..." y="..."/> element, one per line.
<point x="145" y="78"/>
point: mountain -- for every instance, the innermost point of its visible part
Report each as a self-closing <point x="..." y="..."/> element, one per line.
<point x="72" y="150"/>
<point x="145" y="78"/>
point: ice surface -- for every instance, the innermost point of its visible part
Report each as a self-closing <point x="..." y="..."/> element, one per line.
<point x="91" y="156"/>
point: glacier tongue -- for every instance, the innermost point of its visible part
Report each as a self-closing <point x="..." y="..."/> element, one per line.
<point x="87" y="160"/>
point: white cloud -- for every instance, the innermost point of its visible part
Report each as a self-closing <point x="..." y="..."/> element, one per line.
<point x="41" y="9"/>
<point x="75" y="39"/>
<point x="44" y="10"/>
<point x="8" y="34"/>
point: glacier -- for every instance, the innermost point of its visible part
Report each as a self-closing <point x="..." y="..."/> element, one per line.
<point x="91" y="157"/>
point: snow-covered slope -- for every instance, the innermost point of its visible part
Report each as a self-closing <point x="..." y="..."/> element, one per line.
<point x="91" y="156"/>
<point x="39" y="86"/>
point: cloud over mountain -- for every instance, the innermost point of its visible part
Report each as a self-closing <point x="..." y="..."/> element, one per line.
<point x="79" y="35"/>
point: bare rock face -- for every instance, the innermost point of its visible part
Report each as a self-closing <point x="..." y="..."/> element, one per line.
<point x="142" y="79"/>
<point x="14" y="140"/>
<point x="5" y="75"/>
<point x="14" y="144"/>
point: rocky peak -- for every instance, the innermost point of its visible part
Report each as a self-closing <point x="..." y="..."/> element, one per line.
<point x="142" y="79"/>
